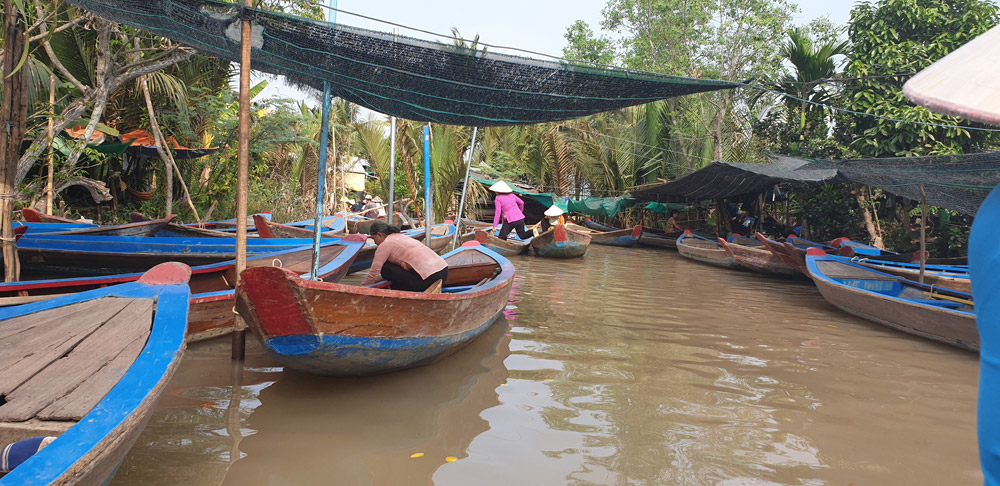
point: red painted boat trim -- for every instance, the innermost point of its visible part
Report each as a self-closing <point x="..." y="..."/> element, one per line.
<point x="276" y="302"/>
<point x="166" y="274"/>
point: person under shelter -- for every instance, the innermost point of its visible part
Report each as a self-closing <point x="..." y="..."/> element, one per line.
<point x="509" y="209"/>
<point x="405" y="262"/>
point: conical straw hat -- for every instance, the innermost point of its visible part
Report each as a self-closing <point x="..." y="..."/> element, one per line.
<point x="501" y="187"/>
<point x="965" y="83"/>
<point x="553" y="211"/>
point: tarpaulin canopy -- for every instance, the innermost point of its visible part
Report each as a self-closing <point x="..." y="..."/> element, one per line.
<point x="147" y="145"/>
<point x="732" y="179"/>
<point x="396" y="75"/>
<point x="546" y="199"/>
<point x="956" y="182"/>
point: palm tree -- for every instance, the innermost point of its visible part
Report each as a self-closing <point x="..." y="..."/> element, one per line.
<point x="812" y="67"/>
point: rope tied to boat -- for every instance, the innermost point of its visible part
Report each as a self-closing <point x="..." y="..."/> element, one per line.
<point x="276" y="263"/>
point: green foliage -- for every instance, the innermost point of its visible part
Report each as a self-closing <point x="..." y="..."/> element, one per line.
<point x="893" y="37"/>
<point x="584" y="46"/>
<point x="830" y="212"/>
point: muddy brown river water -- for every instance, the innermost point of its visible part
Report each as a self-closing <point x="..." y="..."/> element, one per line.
<point x="625" y="367"/>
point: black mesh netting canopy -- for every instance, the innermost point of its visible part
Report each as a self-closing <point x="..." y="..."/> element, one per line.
<point x="400" y="76"/>
<point x="956" y="182"/>
<point x="732" y="179"/>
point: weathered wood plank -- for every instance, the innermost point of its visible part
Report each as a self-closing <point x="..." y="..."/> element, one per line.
<point x="55" y="333"/>
<point x="44" y="318"/>
<point x="87" y="358"/>
<point x="85" y="397"/>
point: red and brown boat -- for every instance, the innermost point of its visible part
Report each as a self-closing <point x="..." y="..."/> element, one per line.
<point x="753" y="255"/>
<point x="335" y="329"/>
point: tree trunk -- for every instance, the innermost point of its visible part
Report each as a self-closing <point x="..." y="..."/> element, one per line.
<point x="866" y="213"/>
<point x="13" y="109"/>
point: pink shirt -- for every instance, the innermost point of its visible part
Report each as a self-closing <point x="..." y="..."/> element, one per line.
<point x="407" y="253"/>
<point x="508" y="205"/>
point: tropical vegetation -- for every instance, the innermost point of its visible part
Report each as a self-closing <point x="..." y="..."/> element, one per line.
<point x="98" y="75"/>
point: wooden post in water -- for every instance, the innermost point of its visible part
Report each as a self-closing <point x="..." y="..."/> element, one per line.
<point x="923" y="233"/>
<point x="242" y="178"/>
<point x="12" y="115"/>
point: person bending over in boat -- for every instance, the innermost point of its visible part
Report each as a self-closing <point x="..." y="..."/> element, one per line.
<point x="404" y="261"/>
<point x="510" y="209"/>
<point x="553" y="216"/>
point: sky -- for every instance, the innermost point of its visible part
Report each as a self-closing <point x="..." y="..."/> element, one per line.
<point x="535" y="25"/>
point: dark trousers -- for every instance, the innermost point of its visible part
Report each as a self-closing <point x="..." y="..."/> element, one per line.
<point x="403" y="279"/>
<point x="516" y="225"/>
<point x="546" y="224"/>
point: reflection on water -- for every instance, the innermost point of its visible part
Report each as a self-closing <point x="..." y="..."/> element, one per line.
<point x="624" y="367"/>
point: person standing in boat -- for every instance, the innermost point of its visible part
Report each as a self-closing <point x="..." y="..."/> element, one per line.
<point x="510" y="210"/>
<point x="380" y="207"/>
<point x="370" y="209"/>
<point x="404" y="261"/>
<point x="553" y="216"/>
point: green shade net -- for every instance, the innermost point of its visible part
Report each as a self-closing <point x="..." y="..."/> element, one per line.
<point x="546" y="199"/>
<point x="400" y="76"/>
<point x="663" y="208"/>
<point x="956" y="182"/>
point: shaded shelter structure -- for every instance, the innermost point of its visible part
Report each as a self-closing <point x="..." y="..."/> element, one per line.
<point x="397" y="75"/>
<point x="722" y="180"/>
<point x="956" y="182"/>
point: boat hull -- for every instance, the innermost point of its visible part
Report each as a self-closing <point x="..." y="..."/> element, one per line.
<point x="560" y="242"/>
<point x="930" y="322"/>
<point x="342" y="330"/>
<point x="761" y="260"/>
<point x="704" y="251"/>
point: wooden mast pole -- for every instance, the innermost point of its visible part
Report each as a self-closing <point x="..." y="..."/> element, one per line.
<point x="428" y="210"/>
<point x="50" y="176"/>
<point x="243" y="176"/>
<point x="923" y="233"/>
<point x="12" y="115"/>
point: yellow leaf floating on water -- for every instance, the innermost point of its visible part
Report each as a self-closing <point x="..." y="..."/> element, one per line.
<point x="416" y="455"/>
<point x="831" y="325"/>
<point x="451" y="459"/>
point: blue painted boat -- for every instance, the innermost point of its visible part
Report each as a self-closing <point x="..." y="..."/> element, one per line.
<point x="88" y="369"/>
<point x="212" y="285"/>
<point x="108" y="255"/>
<point x="39" y="228"/>
<point x="942" y="315"/>
<point x="228" y="225"/>
<point x="334" y="329"/>
<point x="560" y="242"/>
<point x="650" y="237"/>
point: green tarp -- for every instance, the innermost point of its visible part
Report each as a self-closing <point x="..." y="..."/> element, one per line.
<point x="592" y="206"/>
<point x="662" y="208"/>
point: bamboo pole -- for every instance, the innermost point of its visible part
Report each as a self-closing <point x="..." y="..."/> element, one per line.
<point x="324" y="140"/>
<point x="49" y="178"/>
<point x="242" y="178"/>
<point x="465" y="190"/>
<point x="12" y="116"/>
<point x="392" y="169"/>
<point x="923" y="233"/>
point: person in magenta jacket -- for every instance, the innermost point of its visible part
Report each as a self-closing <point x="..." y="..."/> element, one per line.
<point x="509" y="210"/>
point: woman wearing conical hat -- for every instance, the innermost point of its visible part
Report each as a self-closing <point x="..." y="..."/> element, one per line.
<point x="510" y="210"/>
<point x="553" y="216"/>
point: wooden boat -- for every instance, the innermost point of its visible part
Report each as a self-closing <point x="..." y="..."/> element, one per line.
<point x="269" y="229"/>
<point x="88" y="369"/>
<point x="177" y="230"/>
<point x="334" y="329"/>
<point x="704" y="250"/>
<point x="650" y="237"/>
<point x="508" y="247"/>
<point x="331" y="224"/>
<point x="110" y="255"/>
<point x="753" y="255"/>
<point x="626" y="238"/>
<point x="560" y="242"/>
<point x="953" y="277"/>
<point x="211" y="285"/>
<point x="227" y="225"/>
<point x="142" y="228"/>
<point x="942" y="315"/>
<point x="360" y="224"/>
<point x="33" y="216"/>
<point x="795" y="255"/>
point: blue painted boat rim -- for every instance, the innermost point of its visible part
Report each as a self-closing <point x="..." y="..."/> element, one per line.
<point x="162" y="350"/>
<point x="816" y="273"/>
